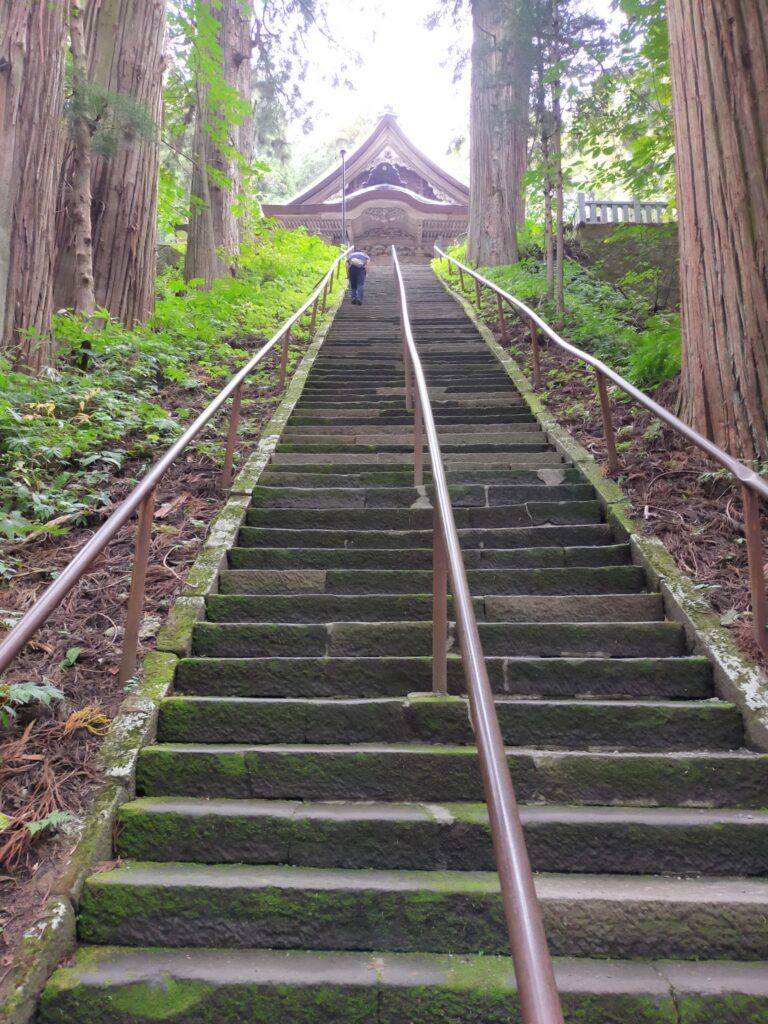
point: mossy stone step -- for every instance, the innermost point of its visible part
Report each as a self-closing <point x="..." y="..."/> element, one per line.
<point x="596" y="555"/>
<point x="612" y="579"/>
<point x="409" y="911"/>
<point x="396" y="607"/>
<point x="613" y="840"/>
<point x="466" y="517"/>
<point x="546" y="535"/>
<point x="193" y="986"/>
<point x="338" y="462"/>
<point x="422" y="718"/>
<point x="414" y="639"/>
<point x="476" y="446"/>
<point x="402" y="476"/>
<point x="408" y="772"/>
<point x="612" y="678"/>
<point x="403" y="495"/>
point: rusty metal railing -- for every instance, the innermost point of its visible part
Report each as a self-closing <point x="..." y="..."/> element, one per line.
<point x="539" y="1000"/>
<point x="753" y="486"/>
<point x="142" y="497"/>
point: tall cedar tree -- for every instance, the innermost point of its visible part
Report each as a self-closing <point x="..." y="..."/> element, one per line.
<point x="32" y="38"/>
<point x="220" y="151"/>
<point x="502" y="63"/>
<point x="124" y="42"/>
<point x="719" y="65"/>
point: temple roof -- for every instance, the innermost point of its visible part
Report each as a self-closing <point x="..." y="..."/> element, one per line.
<point x="387" y="145"/>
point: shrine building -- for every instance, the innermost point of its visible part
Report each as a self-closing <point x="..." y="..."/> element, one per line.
<point x="395" y="195"/>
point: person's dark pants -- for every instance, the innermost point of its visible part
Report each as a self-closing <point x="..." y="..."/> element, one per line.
<point x="357" y="284"/>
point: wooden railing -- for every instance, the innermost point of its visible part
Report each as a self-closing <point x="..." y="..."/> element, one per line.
<point x="622" y="211"/>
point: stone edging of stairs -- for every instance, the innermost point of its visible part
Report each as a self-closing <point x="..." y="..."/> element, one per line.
<point x="737" y="679"/>
<point x="53" y="936"/>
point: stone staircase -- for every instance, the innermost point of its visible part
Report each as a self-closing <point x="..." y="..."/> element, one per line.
<point x="309" y="843"/>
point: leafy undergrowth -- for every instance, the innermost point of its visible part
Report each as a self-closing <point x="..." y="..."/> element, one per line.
<point x="676" y="493"/>
<point x="65" y="436"/>
<point x="59" y="695"/>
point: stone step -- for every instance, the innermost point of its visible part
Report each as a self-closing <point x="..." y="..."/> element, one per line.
<point x="414" y="639"/>
<point x="500" y="460"/>
<point x="480" y="445"/>
<point x="619" y="579"/>
<point x="424" y="718"/>
<point x="406" y="496"/>
<point x="383" y="477"/>
<point x="399" y="607"/>
<point x="353" y="441"/>
<point x="196" y="986"/>
<point x="570" y="533"/>
<point x="601" y="553"/>
<point x="406" y="510"/>
<point x="629" y="917"/>
<point x="612" y="678"/>
<point x="413" y="772"/>
<point x="456" y="837"/>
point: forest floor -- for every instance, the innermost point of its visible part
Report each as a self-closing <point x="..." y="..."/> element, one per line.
<point x="676" y="493"/>
<point x="49" y="761"/>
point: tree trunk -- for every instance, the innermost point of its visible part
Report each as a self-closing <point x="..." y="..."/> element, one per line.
<point x="32" y="39"/>
<point x="217" y="177"/>
<point x="84" y="300"/>
<point x="557" y="130"/>
<point x="124" y="42"/>
<point x="546" y="159"/>
<point x="719" y="68"/>
<point x="502" y="62"/>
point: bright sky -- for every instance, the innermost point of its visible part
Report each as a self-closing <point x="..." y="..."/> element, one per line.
<point x="404" y="67"/>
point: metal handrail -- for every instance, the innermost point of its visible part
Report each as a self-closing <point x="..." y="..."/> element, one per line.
<point x="142" y="497"/>
<point x="753" y="485"/>
<point x="539" y="1000"/>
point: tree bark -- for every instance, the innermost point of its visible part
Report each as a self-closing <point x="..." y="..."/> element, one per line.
<point x="214" y="226"/>
<point x="502" y="63"/>
<point x="84" y="300"/>
<point x="124" y="42"/>
<point x="32" y="40"/>
<point x="557" y="137"/>
<point x="719" y="68"/>
<point x="548" y="186"/>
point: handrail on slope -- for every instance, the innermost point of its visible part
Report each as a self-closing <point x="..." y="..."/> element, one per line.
<point x="142" y="497"/>
<point x="753" y="486"/>
<point x="539" y="1000"/>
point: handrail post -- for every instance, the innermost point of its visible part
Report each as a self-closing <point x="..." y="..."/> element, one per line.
<point x="502" y="320"/>
<point x="330" y="282"/>
<point x="439" y="607"/>
<point x="461" y="280"/>
<point x="234" y="422"/>
<point x="338" y="270"/>
<point x="325" y="296"/>
<point x="313" y="321"/>
<point x="610" y="437"/>
<point x="418" y="441"/>
<point x="754" y="538"/>
<point x="478" y="294"/>
<point x="536" y="355"/>
<point x="284" y="358"/>
<point x="138" y="586"/>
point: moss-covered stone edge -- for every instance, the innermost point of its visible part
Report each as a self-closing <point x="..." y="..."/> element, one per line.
<point x="737" y="679"/>
<point x="53" y="936"/>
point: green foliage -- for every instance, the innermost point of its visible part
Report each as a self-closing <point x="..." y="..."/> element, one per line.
<point x="16" y="695"/>
<point x="623" y="125"/>
<point x="64" y="434"/>
<point x="51" y="821"/>
<point x="611" y="323"/>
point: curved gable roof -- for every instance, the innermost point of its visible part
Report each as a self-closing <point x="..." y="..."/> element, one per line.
<point x="386" y="133"/>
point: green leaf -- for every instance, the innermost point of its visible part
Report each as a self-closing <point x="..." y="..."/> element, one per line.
<point x="53" y="820"/>
<point x="71" y="657"/>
